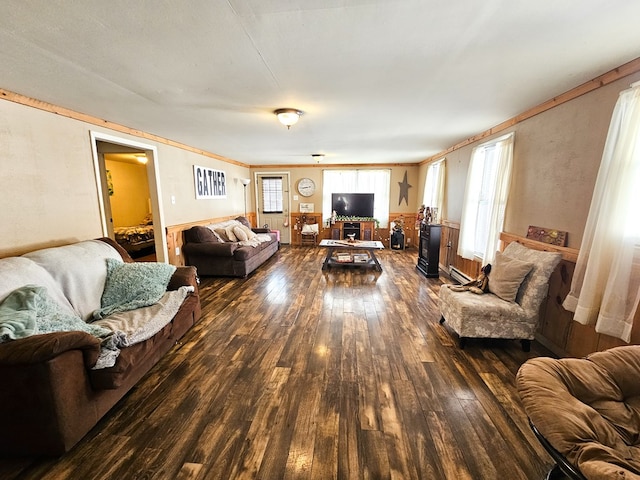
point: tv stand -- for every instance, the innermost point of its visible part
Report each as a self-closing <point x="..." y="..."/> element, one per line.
<point x="363" y="230"/>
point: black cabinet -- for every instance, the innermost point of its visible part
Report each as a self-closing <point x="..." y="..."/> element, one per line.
<point x="429" y="249"/>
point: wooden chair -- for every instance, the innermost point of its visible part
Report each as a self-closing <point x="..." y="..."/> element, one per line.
<point x="309" y="231"/>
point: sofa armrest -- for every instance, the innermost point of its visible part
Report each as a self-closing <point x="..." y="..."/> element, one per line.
<point x="40" y="348"/>
<point x="123" y="253"/>
<point x="184" y="276"/>
<point x="214" y="249"/>
<point x="261" y="230"/>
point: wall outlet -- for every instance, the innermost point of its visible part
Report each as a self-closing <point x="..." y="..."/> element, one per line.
<point x="173" y="199"/>
<point x="177" y="251"/>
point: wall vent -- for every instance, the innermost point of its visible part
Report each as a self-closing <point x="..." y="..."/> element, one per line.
<point x="458" y="276"/>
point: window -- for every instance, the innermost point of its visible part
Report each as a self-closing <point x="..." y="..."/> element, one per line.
<point x="358" y="181"/>
<point x="485" y="199"/>
<point x="605" y="288"/>
<point x="434" y="187"/>
<point x="272" y="194"/>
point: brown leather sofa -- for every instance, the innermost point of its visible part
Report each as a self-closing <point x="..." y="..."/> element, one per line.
<point x="214" y="254"/>
<point x="586" y="412"/>
<point x="51" y="397"/>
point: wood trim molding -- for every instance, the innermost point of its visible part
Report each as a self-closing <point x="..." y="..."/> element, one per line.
<point x="569" y="254"/>
<point x="82" y="117"/>
<point x="611" y="76"/>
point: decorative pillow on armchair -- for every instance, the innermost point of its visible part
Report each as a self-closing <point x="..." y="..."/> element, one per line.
<point x="310" y="228"/>
<point x="507" y="274"/>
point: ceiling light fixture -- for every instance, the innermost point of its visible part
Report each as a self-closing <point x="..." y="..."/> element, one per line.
<point x="317" y="157"/>
<point x="141" y="158"/>
<point x="288" y="116"/>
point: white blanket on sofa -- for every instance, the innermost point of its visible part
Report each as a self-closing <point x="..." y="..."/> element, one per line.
<point x="138" y="325"/>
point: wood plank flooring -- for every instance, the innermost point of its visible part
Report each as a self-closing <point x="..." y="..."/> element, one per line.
<point x="296" y="373"/>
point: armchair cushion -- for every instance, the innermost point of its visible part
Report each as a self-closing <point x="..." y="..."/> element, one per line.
<point x="507" y="275"/>
<point x="588" y="409"/>
<point x="310" y="229"/>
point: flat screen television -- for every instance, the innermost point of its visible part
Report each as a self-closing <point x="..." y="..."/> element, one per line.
<point x="352" y="204"/>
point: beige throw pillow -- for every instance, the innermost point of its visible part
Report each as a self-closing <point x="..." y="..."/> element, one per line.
<point x="507" y="275"/>
<point x="250" y="233"/>
<point x="240" y="234"/>
<point x="230" y="235"/>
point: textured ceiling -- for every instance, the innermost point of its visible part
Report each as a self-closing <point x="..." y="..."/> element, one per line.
<point x="379" y="81"/>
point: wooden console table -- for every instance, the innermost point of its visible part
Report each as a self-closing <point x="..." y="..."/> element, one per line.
<point x="363" y="229"/>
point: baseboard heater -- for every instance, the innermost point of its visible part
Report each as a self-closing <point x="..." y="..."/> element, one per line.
<point x="458" y="276"/>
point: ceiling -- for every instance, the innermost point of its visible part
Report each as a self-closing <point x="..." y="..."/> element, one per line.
<point x="379" y="81"/>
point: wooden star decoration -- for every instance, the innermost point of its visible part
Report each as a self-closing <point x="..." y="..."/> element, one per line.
<point x="404" y="190"/>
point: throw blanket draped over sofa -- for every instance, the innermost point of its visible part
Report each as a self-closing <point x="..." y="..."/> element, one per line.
<point x="79" y="326"/>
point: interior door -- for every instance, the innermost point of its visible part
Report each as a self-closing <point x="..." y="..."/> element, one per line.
<point x="273" y="203"/>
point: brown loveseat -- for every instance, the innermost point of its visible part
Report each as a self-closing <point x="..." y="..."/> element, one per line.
<point x="586" y="412"/>
<point x="52" y="394"/>
<point x="216" y="250"/>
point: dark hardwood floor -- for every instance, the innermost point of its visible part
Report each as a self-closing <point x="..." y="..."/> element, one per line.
<point x="298" y="373"/>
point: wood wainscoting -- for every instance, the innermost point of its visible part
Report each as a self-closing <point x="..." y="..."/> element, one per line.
<point x="558" y="331"/>
<point x="448" y="252"/>
<point x="411" y="233"/>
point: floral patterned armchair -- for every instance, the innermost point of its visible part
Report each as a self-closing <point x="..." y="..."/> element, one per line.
<point x="518" y="284"/>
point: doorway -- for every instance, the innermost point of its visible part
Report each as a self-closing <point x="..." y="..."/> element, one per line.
<point x="272" y="192"/>
<point x="128" y="188"/>
<point x="105" y="146"/>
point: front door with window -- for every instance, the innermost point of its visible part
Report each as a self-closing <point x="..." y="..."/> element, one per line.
<point x="273" y="203"/>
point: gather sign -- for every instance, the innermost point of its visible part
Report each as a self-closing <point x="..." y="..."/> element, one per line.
<point x="209" y="183"/>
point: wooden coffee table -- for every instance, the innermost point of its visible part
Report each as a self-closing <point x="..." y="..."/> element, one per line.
<point x="351" y="253"/>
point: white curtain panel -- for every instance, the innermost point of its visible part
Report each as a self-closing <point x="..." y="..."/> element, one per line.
<point x="377" y="181"/>
<point x="485" y="199"/>
<point x="434" y="186"/>
<point x="606" y="283"/>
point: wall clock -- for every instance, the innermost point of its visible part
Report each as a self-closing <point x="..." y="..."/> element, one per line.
<point x="306" y="187"/>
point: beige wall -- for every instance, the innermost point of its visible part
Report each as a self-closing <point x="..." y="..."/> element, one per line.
<point x="49" y="188"/>
<point x="556" y="159"/>
<point x="49" y="195"/>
